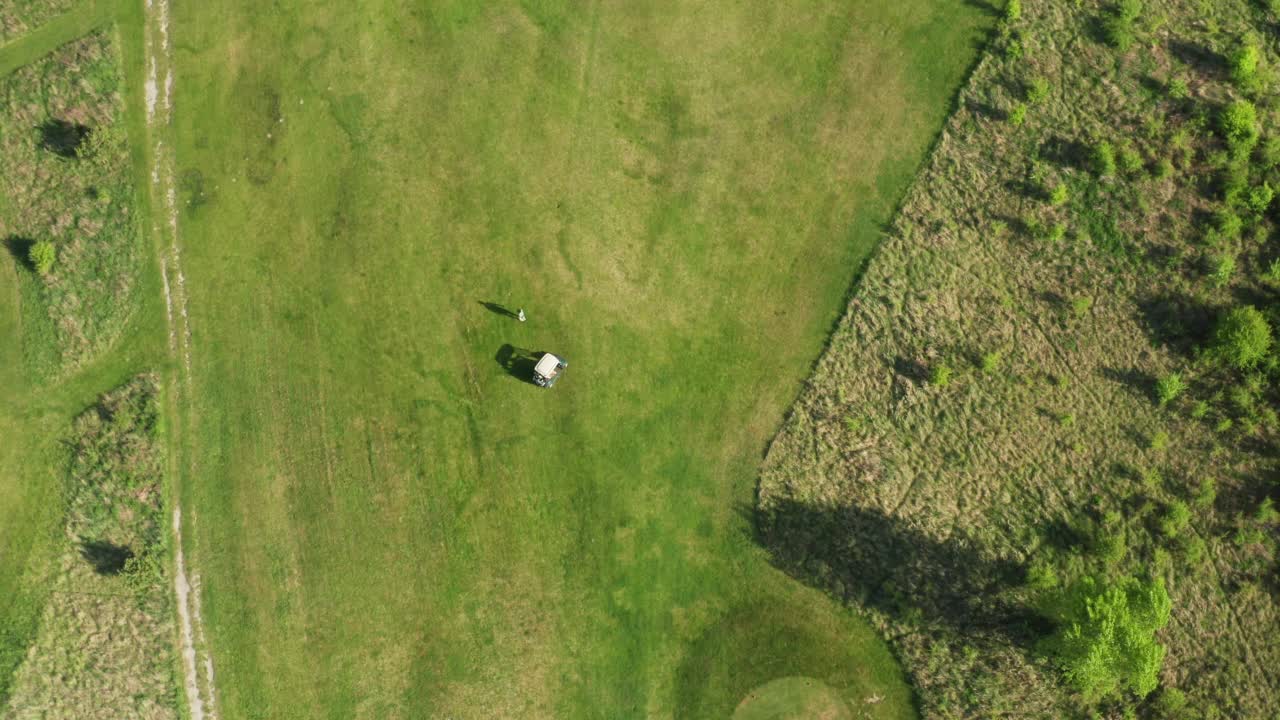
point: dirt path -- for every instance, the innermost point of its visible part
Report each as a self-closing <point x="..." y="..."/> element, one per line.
<point x="199" y="688"/>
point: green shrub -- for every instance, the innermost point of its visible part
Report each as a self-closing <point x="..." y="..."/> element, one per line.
<point x="1013" y="10"/>
<point x="1242" y="338"/>
<point x="1244" y="64"/>
<point x="1118" y="24"/>
<point x="1260" y="197"/>
<point x="1272" y="273"/>
<point x="1159" y="440"/>
<point x="42" y="255"/>
<point x="1130" y="160"/>
<point x="1227" y="225"/>
<point x="1267" y="513"/>
<point x="990" y="362"/>
<point x="1163" y="169"/>
<point x="1193" y="548"/>
<point x="1176" y="518"/>
<point x="1223" y="268"/>
<point x="1169" y="387"/>
<point x="940" y="375"/>
<point x="1037" y="90"/>
<point x="1269" y="153"/>
<point x="1059" y="194"/>
<point x="1239" y="125"/>
<point x="1018" y="114"/>
<point x="1200" y="410"/>
<point x="1178" y="89"/>
<point x="1013" y="50"/>
<point x="1129" y="10"/>
<point x="1081" y="306"/>
<point x="1056" y="233"/>
<point x="1151" y="479"/>
<point x="1105" y="642"/>
<point x="1067" y="420"/>
<point x="1110" y="546"/>
<point x="1042" y="576"/>
<point x="1103" y="159"/>
<point x="1170" y="703"/>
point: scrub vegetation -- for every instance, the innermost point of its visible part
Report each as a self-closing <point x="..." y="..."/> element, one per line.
<point x="104" y="648"/>
<point x="85" y="628"/>
<point x="18" y="17"/>
<point x="68" y="193"/>
<point x="1084" y="525"/>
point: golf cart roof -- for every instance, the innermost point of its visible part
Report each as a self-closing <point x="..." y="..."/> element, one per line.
<point x="546" y="366"/>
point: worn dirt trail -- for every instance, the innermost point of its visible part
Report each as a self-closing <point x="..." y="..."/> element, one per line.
<point x="199" y="687"/>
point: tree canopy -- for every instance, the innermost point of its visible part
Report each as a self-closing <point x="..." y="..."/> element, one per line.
<point x="1105" y="642"/>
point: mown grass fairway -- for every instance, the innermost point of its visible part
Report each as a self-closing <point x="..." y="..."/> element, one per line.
<point x="388" y="524"/>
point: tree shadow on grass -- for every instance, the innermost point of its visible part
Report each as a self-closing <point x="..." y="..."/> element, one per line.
<point x="104" y="557"/>
<point x="1140" y="383"/>
<point x="20" y="249"/>
<point x="1178" y="321"/>
<point x="1199" y="57"/>
<point x="987" y="8"/>
<point x="62" y="138"/>
<point x="862" y="556"/>
<point x="518" y="362"/>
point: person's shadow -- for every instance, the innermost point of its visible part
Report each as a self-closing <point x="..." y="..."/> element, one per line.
<point x="497" y="309"/>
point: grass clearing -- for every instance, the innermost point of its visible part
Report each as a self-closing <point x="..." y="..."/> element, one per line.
<point x="386" y="523"/>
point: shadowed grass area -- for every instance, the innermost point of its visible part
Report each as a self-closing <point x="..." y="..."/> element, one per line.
<point x="387" y="522"/>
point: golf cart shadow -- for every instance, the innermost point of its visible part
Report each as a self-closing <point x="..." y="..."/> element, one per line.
<point x="518" y="362"/>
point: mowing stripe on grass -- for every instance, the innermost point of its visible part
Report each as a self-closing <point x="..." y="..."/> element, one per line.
<point x="67" y="27"/>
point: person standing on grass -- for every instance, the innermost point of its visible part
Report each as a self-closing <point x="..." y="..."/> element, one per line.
<point x="520" y="314"/>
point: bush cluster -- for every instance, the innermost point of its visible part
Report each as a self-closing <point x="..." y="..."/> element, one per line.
<point x="42" y="255"/>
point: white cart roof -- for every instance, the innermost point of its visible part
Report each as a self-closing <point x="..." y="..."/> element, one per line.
<point x="546" y="367"/>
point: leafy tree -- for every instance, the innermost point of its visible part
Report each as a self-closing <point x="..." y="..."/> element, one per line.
<point x="42" y="256"/>
<point x="1242" y="337"/>
<point x="1105" y="642"/>
<point x="1244" y="64"/>
<point x="1239" y="124"/>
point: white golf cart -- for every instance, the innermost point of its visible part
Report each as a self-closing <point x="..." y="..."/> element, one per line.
<point x="548" y="370"/>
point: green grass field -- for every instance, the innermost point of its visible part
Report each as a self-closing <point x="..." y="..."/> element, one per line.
<point x="387" y="523"/>
<point x="384" y="521"/>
